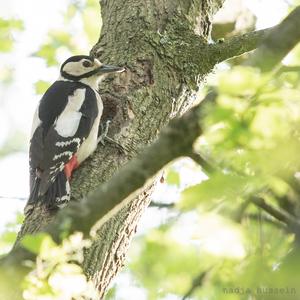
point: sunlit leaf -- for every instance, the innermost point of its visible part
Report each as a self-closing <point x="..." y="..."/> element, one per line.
<point x="173" y="177"/>
<point x="38" y="243"/>
<point x="174" y="270"/>
<point x="47" y="52"/>
<point x="240" y="81"/>
<point x="7" y="27"/>
<point x="41" y="86"/>
<point x="92" y="28"/>
<point x="71" y="12"/>
<point x="218" y="187"/>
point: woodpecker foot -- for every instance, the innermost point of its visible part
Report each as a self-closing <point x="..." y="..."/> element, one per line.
<point x="104" y="131"/>
<point x="105" y="138"/>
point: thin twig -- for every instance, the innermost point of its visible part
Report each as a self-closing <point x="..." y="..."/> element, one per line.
<point x="237" y="45"/>
<point x="266" y="219"/>
<point x="239" y="213"/>
<point x="11" y="197"/>
<point x="162" y="205"/>
<point x="278" y="43"/>
<point x="286" y="69"/>
<point x="205" y="165"/>
<point x="197" y="282"/>
<point x="280" y="215"/>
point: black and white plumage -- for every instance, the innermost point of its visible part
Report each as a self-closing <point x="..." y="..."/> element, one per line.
<point x="65" y="129"/>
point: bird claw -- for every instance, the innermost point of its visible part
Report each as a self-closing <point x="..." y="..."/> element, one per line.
<point x="104" y="131"/>
<point x="105" y="138"/>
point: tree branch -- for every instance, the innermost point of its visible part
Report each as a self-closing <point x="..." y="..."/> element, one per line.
<point x="276" y="41"/>
<point x="266" y="219"/>
<point x="197" y="282"/>
<point x="162" y="205"/>
<point x="237" y="45"/>
<point x="279" y="42"/>
<point x="279" y="215"/>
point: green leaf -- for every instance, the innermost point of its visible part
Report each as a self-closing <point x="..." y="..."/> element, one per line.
<point x="7" y="240"/>
<point x="35" y="243"/>
<point x="41" y="86"/>
<point x="59" y="38"/>
<point x="70" y="12"/>
<point x="7" y="27"/>
<point x="240" y="81"/>
<point x="174" y="270"/>
<point x="6" y="44"/>
<point x="47" y="52"/>
<point x="217" y="188"/>
<point x="91" y="28"/>
<point x="8" y="237"/>
<point x="173" y="177"/>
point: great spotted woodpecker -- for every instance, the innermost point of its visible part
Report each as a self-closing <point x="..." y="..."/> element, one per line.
<point x="65" y="129"/>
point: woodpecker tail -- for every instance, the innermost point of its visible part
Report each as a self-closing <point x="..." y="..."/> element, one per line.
<point x="56" y="196"/>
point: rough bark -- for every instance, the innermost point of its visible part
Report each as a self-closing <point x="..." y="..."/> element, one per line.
<point x="164" y="65"/>
<point x="153" y="39"/>
<point x="159" y="43"/>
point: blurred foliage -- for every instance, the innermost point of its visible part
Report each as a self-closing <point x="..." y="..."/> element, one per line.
<point x="6" y="74"/>
<point x="8" y="237"/>
<point x="41" y="86"/>
<point x="219" y="245"/>
<point x="251" y="138"/>
<point x="170" y="274"/>
<point x="62" y="41"/>
<point x="57" y="274"/>
<point x="232" y="19"/>
<point x="7" y="29"/>
<point x="230" y="186"/>
<point x="15" y="142"/>
<point x="173" y="177"/>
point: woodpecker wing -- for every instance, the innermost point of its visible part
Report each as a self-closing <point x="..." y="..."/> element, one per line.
<point x="63" y="121"/>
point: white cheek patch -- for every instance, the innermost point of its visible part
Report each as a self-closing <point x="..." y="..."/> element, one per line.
<point x="68" y="121"/>
<point x="76" y="68"/>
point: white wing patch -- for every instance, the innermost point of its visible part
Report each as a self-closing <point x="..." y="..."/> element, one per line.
<point x="89" y="145"/>
<point x="36" y="122"/>
<point x="68" y="121"/>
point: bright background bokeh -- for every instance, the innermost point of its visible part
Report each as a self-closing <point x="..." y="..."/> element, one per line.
<point x="37" y="37"/>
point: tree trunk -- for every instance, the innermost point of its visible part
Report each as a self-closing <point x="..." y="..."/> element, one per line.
<point x="160" y="42"/>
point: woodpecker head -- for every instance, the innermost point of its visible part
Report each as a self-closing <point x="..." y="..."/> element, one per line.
<point x="81" y="67"/>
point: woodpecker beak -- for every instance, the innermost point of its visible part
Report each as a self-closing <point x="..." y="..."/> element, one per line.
<point x="103" y="69"/>
<point x="110" y="69"/>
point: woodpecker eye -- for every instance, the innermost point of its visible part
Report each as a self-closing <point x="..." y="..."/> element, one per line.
<point x="87" y="64"/>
